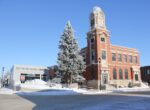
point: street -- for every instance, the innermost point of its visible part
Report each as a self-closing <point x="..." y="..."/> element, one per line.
<point x="116" y="101"/>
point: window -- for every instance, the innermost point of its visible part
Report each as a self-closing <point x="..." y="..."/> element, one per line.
<point x="92" y="22"/>
<point x="103" y="55"/>
<point x="136" y="77"/>
<point x="130" y="58"/>
<point x="125" y="58"/>
<point x="114" y="73"/>
<point x="135" y="59"/>
<point x="92" y="40"/>
<point x="148" y="71"/>
<point x="84" y="60"/>
<point x="92" y="55"/>
<point x="120" y="74"/>
<point x="113" y="57"/>
<point x="102" y="39"/>
<point x="119" y="57"/>
<point x="83" y="56"/>
<point x="126" y="74"/>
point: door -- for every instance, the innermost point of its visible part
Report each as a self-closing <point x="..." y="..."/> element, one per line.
<point x="104" y="78"/>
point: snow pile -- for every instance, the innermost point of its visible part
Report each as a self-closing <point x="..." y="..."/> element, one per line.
<point x="131" y="89"/>
<point x="50" y="92"/>
<point x="80" y="90"/>
<point x="36" y="81"/>
<point x="6" y="91"/>
<point x="35" y="84"/>
<point x="64" y="91"/>
<point x="54" y="85"/>
<point x="93" y="92"/>
<point x="143" y="85"/>
<point x="45" y="91"/>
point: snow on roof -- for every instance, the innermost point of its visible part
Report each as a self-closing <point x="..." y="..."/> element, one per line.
<point x="96" y="8"/>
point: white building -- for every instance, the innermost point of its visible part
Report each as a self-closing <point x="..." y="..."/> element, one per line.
<point x="22" y="73"/>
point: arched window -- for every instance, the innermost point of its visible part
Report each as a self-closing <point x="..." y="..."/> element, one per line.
<point x="92" y="40"/>
<point x="120" y="74"/>
<point x="113" y="56"/>
<point x="114" y="73"/>
<point x="126" y="74"/>
<point x="92" y="22"/>
<point x="119" y="57"/>
<point x="103" y="55"/>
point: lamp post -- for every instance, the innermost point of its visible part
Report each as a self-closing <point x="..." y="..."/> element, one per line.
<point x="3" y="69"/>
<point x="99" y="71"/>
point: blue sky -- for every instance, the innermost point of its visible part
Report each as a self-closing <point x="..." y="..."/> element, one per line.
<point x="30" y="29"/>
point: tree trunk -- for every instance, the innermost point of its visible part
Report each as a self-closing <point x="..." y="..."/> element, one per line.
<point x="71" y="79"/>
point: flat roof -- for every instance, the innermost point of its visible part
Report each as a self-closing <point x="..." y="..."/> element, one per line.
<point x="29" y="66"/>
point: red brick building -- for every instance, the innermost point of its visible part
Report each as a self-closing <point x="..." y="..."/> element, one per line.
<point x="107" y="64"/>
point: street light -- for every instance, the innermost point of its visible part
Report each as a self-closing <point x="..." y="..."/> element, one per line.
<point x="3" y="69"/>
<point x="99" y="62"/>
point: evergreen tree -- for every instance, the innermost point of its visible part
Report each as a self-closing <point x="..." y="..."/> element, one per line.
<point x="70" y="62"/>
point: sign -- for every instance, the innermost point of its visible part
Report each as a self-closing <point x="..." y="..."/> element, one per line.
<point x="22" y="77"/>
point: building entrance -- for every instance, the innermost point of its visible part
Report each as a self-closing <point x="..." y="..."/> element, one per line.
<point x="104" y="78"/>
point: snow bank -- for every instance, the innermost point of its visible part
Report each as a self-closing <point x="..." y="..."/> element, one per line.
<point x="55" y="85"/>
<point x="6" y="91"/>
<point x="50" y="92"/>
<point x="131" y="89"/>
<point x="93" y="92"/>
<point x="36" y="81"/>
<point x="68" y="91"/>
<point x="57" y="89"/>
<point x="64" y="91"/>
<point x="143" y="85"/>
<point x="34" y="86"/>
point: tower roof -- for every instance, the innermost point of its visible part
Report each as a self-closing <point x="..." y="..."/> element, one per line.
<point x="97" y="9"/>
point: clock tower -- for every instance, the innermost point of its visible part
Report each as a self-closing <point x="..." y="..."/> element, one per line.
<point x="98" y="50"/>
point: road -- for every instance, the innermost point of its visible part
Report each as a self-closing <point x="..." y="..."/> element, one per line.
<point x="114" y="101"/>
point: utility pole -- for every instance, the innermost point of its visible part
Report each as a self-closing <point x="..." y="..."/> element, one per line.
<point x="3" y="69"/>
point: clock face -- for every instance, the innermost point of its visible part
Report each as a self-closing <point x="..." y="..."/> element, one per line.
<point x="102" y="38"/>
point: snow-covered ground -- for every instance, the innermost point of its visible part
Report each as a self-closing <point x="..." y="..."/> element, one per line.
<point x="6" y="91"/>
<point x="131" y="89"/>
<point x="42" y="88"/>
<point x="143" y="87"/>
<point x="35" y="84"/>
<point x="54" y="91"/>
<point x="36" y="81"/>
<point x="68" y="91"/>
